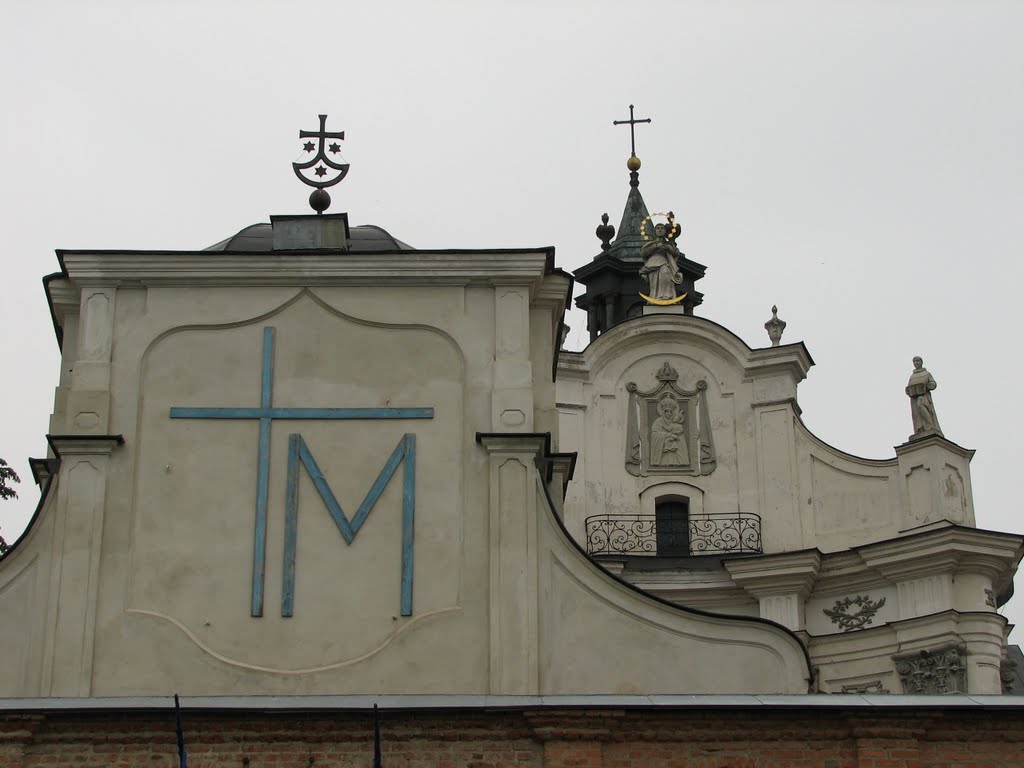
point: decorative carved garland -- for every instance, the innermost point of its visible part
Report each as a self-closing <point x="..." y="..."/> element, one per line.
<point x="840" y="613"/>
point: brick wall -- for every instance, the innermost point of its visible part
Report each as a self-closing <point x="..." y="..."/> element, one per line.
<point x="832" y="737"/>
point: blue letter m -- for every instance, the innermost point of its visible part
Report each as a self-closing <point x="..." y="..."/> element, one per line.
<point x="297" y="451"/>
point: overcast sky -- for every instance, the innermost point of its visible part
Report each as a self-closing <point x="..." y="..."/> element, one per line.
<point x="858" y="164"/>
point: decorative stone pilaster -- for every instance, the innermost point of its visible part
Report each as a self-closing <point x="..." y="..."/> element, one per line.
<point x="66" y="303"/>
<point x="774" y="373"/>
<point x="81" y="499"/>
<point x="88" y="406"/>
<point x="512" y="391"/>
<point x="513" y="483"/>
<point x="780" y="583"/>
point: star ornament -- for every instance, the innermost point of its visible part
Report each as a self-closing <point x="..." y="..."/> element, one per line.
<point x="308" y="146"/>
<point x="320" y="170"/>
<point x="334" y="148"/>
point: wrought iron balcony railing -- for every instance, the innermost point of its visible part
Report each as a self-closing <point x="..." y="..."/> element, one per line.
<point x="710" y="534"/>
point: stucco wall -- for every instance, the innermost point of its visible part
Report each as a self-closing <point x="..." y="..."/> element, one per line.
<point x="806" y="492"/>
<point x="170" y="555"/>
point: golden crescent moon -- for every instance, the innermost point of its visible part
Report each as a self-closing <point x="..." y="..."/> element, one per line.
<point x="662" y="302"/>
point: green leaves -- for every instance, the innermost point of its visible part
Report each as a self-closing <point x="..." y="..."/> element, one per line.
<point x="7" y="478"/>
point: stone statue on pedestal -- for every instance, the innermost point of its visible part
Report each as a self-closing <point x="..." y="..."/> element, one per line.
<point x="922" y="409"/>
<point x="660" y="269"/>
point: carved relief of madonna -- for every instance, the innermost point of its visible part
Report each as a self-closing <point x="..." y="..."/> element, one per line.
<point x="668" y="429"/>
<point x="668" y="435"/>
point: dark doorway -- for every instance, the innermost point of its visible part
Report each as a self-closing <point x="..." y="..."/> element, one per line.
<point x="672" y="527"/>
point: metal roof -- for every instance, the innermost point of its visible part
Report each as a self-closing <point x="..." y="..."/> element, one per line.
<point x="410" y="702"/>
<point x="259" y="237"/>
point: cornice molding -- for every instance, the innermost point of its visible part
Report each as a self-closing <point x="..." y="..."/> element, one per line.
<point x="948" y="549"/>
<point x="767" y="575"/>
<point x="793" y="359"/>
<point x="204" y="268"/>
<point x="936" y="441"/>
<point x="516" y="442"/>
<point x="84" y="445"/>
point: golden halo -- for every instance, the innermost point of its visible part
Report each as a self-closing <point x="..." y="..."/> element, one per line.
<point x="674" y="228"/>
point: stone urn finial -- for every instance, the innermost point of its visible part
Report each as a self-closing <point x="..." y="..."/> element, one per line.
<point x="775" y="327"/>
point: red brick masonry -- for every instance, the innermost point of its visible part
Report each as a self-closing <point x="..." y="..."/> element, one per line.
<point x="577" y="737"/>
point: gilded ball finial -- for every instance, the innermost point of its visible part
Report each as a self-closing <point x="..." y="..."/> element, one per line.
<point x="633" y="163"/>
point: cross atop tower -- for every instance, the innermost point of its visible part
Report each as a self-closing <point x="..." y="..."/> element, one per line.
<point x="632" y="131"/>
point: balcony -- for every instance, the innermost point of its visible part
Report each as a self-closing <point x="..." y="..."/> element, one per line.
<point x="709" y="534"/>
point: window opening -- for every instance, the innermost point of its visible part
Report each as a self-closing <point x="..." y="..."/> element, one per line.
<point x="672" y="527"/>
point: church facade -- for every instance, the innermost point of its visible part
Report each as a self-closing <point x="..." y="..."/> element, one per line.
<point x="698" y="482"/>
<point x="315" y="463"/>
<point x="304" y="470"/>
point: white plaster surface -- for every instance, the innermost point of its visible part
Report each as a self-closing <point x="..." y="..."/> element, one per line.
<point x="833" y="525"/>
<point x="136" y="578"/>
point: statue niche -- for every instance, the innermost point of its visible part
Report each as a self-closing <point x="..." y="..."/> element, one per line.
<point x="668" y="430"/>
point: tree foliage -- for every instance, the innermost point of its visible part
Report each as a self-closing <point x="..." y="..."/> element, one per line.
<point x="7" y="479"/>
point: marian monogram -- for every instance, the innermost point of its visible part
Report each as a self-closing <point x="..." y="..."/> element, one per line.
<point x="298" y="453"/>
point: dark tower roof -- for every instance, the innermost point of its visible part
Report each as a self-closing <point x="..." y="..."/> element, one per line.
<point x="259" y="237"/>
<point x="627" y="241"/>
<point x="612" y="280"/>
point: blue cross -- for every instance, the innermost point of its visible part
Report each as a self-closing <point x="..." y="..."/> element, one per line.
<point x="266" y="413"/>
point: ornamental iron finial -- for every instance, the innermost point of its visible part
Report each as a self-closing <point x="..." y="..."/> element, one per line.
<point x="632" y="130"/>
<point x="633" y="163"/>
<point x="320" y="200"/>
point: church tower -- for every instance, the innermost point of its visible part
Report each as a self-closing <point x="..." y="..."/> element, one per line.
<point x="612" y="279"/>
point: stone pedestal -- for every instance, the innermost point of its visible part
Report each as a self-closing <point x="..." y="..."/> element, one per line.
<point x="673" y="309"/>
<point x="936" y="482"/>
<point x="309" y="232"/>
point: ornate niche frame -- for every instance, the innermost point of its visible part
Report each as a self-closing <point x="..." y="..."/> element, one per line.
<point x="668" y="429"/>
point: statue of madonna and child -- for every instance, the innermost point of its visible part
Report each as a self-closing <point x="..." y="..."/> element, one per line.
<point x="660" y="254"/>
